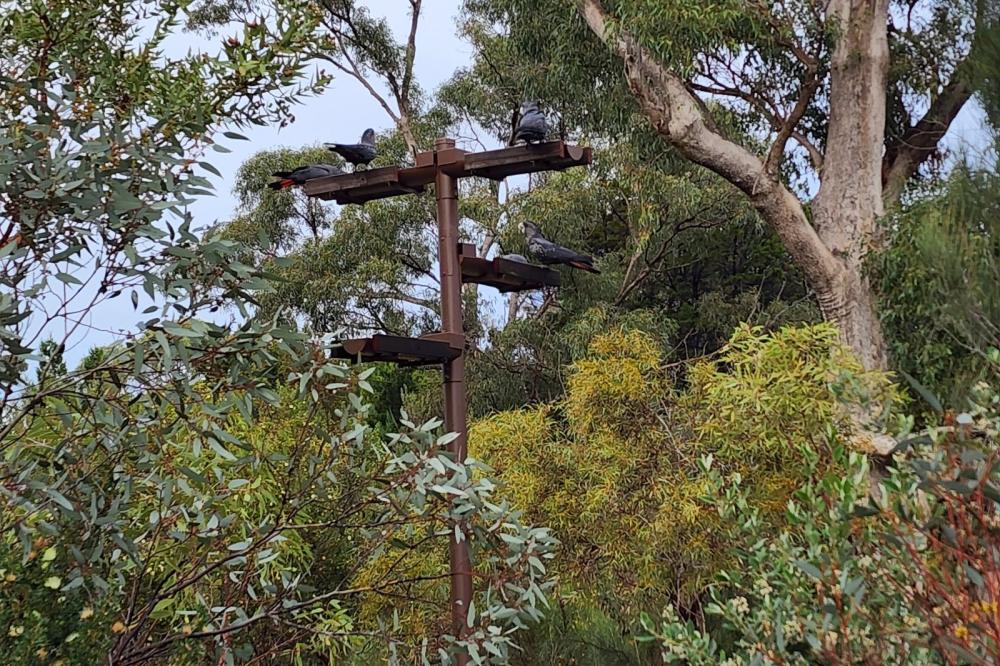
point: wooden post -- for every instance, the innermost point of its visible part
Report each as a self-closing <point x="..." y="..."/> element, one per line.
<point x="446" y="190"/>
<point x="444" y="166"/>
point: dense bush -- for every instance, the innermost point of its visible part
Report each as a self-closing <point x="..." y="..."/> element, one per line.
<point x="905" y="574"/>
<point x="938" y="278"/>
<point x="612" y="466"/>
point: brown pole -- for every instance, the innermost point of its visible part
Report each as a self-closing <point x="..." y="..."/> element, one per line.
<point x="454" y="376"/>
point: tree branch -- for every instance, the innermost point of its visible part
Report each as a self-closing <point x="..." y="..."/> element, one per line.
<point x="355" y="72"/>
<point x="401" y="93"/>
<point x="905" y="155"/>
<point x="651" y="264"/>
<point x="411" y="54"/>
<point x="677" y="116"/>
<point x="815" y="156"/>
<point x="781" y="31"/>
<point x="777" y="151"/>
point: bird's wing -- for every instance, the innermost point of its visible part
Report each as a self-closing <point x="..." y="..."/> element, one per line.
<point x="309" y="172"/>
<point x="532" y="123"/>
<point x="545" y="249"/>
<point x="353" y="152"/>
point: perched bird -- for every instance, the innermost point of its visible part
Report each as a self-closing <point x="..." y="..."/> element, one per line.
<point x="300" y="175"/>
<point x="357" y="153"/>
<point x="531" y="126"/>
<point x="548" y="252"/>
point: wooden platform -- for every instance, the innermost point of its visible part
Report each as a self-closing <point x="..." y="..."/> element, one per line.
<point x="369" y="185"/>
<point x="397" y="349"/>
<point x="529" y="158"/>
<point x="505" y="275"/>
<point x="363" y="186"/>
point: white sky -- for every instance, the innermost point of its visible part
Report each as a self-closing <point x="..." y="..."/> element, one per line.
<point x="341" y="114"/>
<point x="345" y="110"/>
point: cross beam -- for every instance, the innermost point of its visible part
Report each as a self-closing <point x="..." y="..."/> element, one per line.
<point x="392" y="181"/>
<point x="443" y="167"/>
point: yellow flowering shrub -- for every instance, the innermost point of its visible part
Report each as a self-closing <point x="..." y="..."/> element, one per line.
<point x="611" y="467"/>
<point x="764" y="394"/>
<point x="424" y="570"/>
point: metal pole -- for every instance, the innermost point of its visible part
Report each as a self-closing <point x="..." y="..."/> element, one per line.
<point x="454" y="375"/>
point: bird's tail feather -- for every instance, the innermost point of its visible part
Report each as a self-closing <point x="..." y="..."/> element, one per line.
<point x="281" y="174"/>
<point x="584" y="263"/>
<point x="584" y="266"/>
<point x="282" y="184"/>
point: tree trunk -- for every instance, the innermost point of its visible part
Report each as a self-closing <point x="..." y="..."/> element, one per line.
<point x="848" y="206"/>
<point x="831" y="250"/>
<point x="851" y="305"/>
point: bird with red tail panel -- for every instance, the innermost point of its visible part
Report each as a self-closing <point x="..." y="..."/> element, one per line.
<point x="300" y="175"/>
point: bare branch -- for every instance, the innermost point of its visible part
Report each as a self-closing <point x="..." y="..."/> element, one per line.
<point x="786" y="127"/>
<point x="781" y="29"/>
<point x="411" y="53"/>
<point x="355" y="72"/>
<point x="777" y="151"/>
<point x="905" y="155"/>
<point x="815" y="156"/>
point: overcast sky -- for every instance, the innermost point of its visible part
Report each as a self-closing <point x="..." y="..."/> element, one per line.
<point x="344" y="111"/>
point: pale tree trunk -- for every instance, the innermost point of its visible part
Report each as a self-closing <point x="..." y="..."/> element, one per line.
<point x="848" y="206"/>
<point x="831" y="255"/>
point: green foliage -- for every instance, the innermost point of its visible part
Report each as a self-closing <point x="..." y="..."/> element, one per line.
<point x="577" y="632"/>
<point x="41" y="622"/>
<point x="749" y="61"/>
<point x="611" y="466"/>
<point x="262" y="520"/>
<point x="897" y="576"/>
<point x="763" y="396"/>
<point x="52" y="362"/>
<point x="96" y="151"/>
<point x="358" y="267"/>
<point x="938" y="284"/>
<point x="200" y="490"/>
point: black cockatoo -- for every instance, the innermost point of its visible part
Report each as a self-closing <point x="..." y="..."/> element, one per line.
<point x="300" y="175"/>
<point x="548" y="252"/>
<point x="531" y="126"/>
<point x="357" y="153"/>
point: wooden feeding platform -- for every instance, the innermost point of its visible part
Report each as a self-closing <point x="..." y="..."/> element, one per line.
<point x="431" y="350"/>
<point x="362" y="186"/>
<point x="458" y="264"/>
<point x="503" y="274"/>
<point x="528" y="158"/>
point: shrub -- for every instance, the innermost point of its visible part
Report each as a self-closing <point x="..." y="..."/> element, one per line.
<point x="612" y="466"/>
<point x="904" y="575"/>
